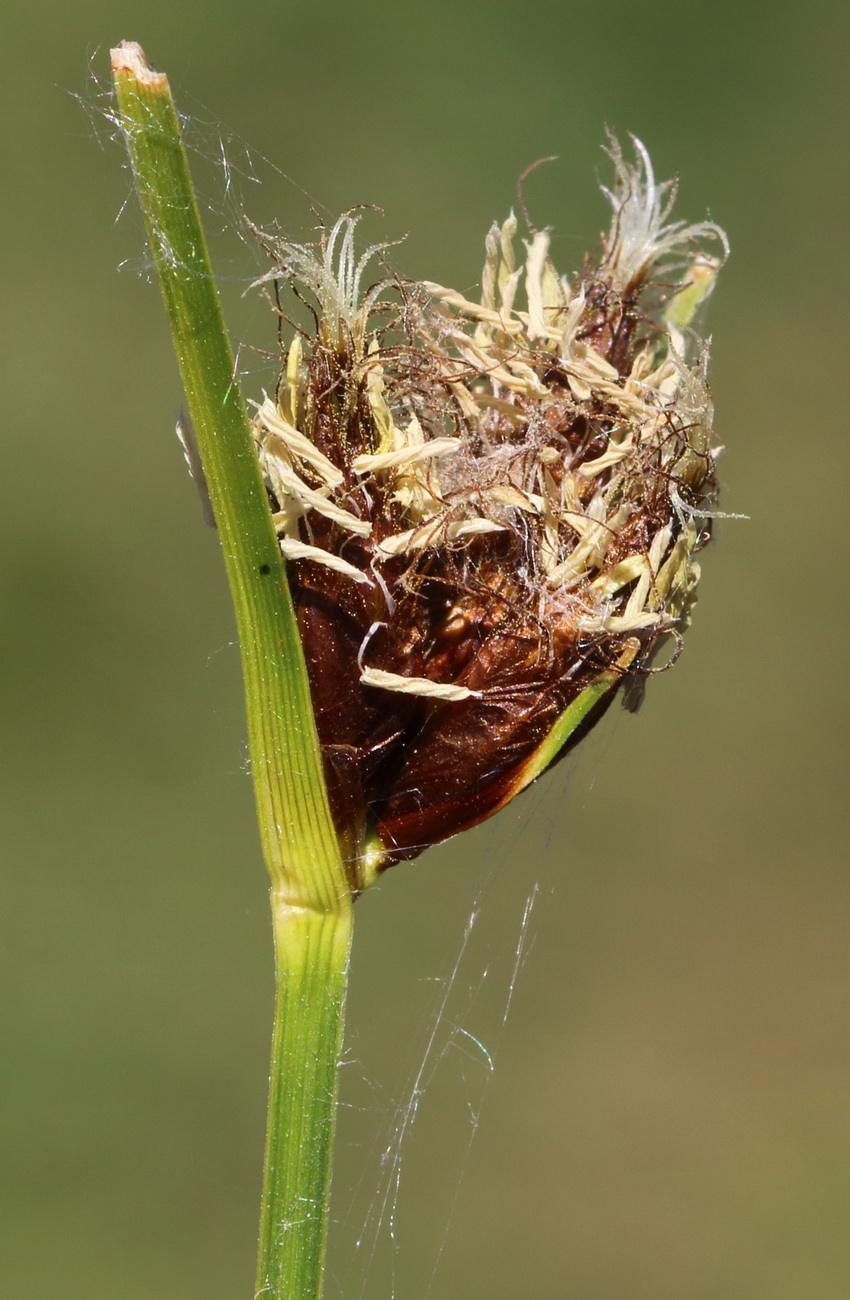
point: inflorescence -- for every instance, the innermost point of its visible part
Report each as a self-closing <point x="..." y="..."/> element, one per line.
<point x="486" y="507"/>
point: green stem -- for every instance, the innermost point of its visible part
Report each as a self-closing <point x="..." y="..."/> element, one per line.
<point x="300" y="845"/>
<point x="311" y="891"/>
<point x="312" y="964"/>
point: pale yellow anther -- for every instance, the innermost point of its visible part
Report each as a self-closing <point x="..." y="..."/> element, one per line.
<point x="488" y="275"/>
<point x="507" y="236"/>
<point x="309" y="499"/>
<point x="622" y="573"/>
<point x="436" y="531"/>
<point x="289" y="391"/>
<point x="296" y="444"/>
<point x="507" y="293"/>
<point x="406" y="456"/>
<point x="674" y="572"/>
<point x="414" y="685"/>
<point x="613" y="455"/>
<point x="535" y="263"/>
<point x="296" y="550"/>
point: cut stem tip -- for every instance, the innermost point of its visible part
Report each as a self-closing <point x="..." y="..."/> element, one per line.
<point x="129" y="58"/>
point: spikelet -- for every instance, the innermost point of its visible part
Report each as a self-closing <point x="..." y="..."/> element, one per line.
<point x="489" y="509"/>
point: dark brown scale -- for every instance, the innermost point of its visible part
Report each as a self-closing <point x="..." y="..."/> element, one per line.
<point x="468" y="759"/>
<point x="414" y="769"/>
<point x="621" y="350"/>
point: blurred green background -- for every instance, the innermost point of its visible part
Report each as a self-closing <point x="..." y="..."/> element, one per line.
<point x="667" y="1116"/>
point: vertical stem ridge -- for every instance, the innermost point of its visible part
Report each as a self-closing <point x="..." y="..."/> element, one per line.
<point x="311" y="951"/>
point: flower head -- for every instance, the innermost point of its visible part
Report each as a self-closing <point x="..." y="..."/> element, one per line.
<point x="490" y="509"/>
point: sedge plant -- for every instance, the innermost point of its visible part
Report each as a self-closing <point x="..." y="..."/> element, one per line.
<point x="453" y="534"/>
